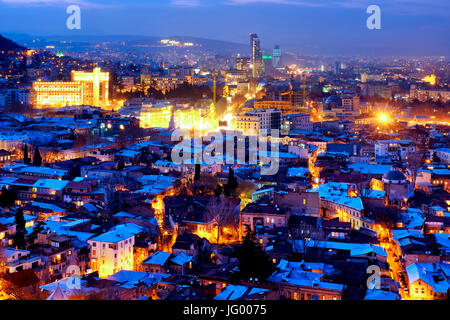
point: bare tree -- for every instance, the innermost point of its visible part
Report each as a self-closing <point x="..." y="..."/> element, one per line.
<point x="113" y="200"/>
<point x="223" y="213"/>
<point x="245" y="188"/>
<point x="415" y="161"/>
<point x="307" y="247"/>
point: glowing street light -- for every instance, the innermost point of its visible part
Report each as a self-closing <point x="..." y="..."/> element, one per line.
<point x="383" y="118"/>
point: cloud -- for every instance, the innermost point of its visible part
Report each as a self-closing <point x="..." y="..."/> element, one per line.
<point x="280" y="2"/>
<point x="59" y="3"/>
<point x="187" y="3"/>
<point x="349" y="4"/>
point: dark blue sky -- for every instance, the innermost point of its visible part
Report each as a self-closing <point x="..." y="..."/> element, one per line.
<point x="409" y="27"/>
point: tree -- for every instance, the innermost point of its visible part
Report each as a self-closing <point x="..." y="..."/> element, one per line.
<point x="197" y="172"/>
<point x="26" y="156"/>
<point x="415" y="162"/>
<point x="204" y="186"/>
<point x="37" y="159"/>
<point x="237" y="102"/>
<point x="435" y="158"/>
<point x="74" y="171"/>
<point x="306" y="247"/>
<point x="245" y="189"/>
<point x="218" y="191"/>
<point x="224" y="213"/>
<point x="121" y="164"/>
<point x="39" y="227"/>
<point x="8" y="197"/>
<point x="113" y="201"/>
<point x="253" y="261"/>
<point x="19" y="219"/>
<point x="231" y="185"/>
<point x="19" y="237"/>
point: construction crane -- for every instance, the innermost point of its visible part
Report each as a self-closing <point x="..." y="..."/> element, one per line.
<point x="304" y="90"/>
<point x="304" y="75"/>
<point x="214" y="88"/>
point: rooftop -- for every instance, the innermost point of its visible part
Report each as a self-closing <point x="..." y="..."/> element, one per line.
<point x="113" y="236"/>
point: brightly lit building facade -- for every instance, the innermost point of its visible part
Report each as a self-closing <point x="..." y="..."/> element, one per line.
<point x="85" y="88"/>
<point x="165" y="116"/>
<point x="57" y="94"/>
<point x="157" y="116"/>
<point x="285" y="106"/>
<point x="167" y="83"/>
<point x="429" y="94"/>
<point x="96" y="84"/>
<point x="111" y="252"/>
<point x="249" y="125"/>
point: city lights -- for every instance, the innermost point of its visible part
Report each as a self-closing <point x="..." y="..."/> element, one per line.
<point x="168" y="152"/>
<point x="431" y="79"/>
<point x="383" y="118"/>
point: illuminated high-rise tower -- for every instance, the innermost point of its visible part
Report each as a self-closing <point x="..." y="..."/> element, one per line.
<point x="257" y="63"/>
<point x="276" y="57"/>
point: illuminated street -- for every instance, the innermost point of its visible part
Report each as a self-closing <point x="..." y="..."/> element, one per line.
<point x="224" y="150"/>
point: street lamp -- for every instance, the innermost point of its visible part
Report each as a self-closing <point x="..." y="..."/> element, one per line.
<point x="383" y="118"/>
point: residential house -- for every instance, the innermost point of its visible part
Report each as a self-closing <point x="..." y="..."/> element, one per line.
<point x="112" y="251"/>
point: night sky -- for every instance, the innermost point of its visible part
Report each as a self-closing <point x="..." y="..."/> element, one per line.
<point x="409" y="27"/>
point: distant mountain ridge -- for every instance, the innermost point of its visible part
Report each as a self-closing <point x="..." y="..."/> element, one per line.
<point x="8" y="45"/>
<point x="130" y="40"/>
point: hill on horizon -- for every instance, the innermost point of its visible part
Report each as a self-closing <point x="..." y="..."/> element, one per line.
<point x="130" y="40"/>
<point x="8" y="45"/>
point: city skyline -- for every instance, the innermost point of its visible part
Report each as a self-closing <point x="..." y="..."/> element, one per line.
<point x="186" y="152"/>
<point x="408" y="28"/>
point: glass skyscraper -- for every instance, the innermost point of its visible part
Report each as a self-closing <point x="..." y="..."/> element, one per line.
<point x="256" y="57"/>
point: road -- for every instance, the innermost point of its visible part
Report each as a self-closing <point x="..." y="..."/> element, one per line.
<point x="398" y="271"/>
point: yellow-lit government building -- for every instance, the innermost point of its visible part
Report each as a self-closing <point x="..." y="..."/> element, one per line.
<point x="85" y="88"/>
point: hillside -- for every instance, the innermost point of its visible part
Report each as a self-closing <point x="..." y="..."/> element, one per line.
<point x="8" y="45"/>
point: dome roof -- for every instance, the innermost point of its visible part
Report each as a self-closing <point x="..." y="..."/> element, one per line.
<point x="394" y="175"/>
<point x="334" y="100"/>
